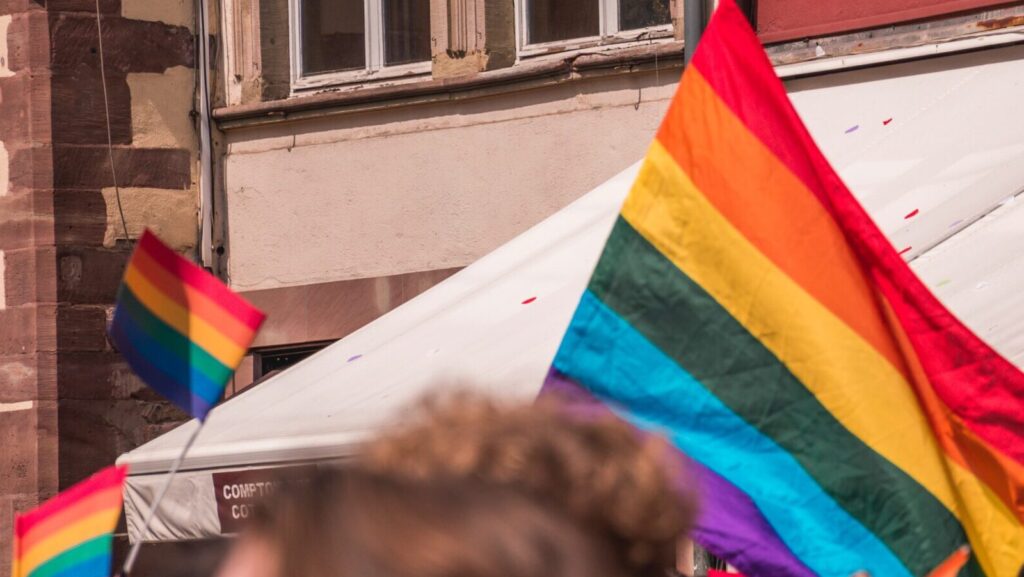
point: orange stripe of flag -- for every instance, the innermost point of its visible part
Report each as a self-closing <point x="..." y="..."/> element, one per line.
<point x="101" y="501"/>
<point x="791" y="229"/>
<point x="105" y="479"/>
<point x="797" y="234"/>
<point x="193" y="275"/>
<point x="66" y="538"/>
<point x="193" y="300"/>
<point x="961" y="366"/>
<point x="201" y="333"/>
<point x="1003" y="475"/>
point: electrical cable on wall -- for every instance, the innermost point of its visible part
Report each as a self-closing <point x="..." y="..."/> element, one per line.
<point x="106" y="108"/>
<point x="205" y="137"/>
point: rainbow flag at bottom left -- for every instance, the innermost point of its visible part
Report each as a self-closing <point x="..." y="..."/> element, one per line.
<point x="71" y="535"/>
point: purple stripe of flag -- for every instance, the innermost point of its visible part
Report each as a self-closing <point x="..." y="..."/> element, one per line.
<point x="178" y="393"/>
<point x="730" y="525"/>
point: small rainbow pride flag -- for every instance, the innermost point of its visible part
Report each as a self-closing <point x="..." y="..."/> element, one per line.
<point x="180" y="329"/>
<point x="71" y="535"/>
<point x="837" y="416"/>
<point x="951" y="567"/>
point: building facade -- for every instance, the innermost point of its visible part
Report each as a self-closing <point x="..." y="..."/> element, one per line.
<point x="68" y="405"/>
<point x="369" y="148"/>
<point x="362" y="151"/>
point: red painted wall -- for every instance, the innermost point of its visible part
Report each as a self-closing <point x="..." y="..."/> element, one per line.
<point x="779" y="20"/>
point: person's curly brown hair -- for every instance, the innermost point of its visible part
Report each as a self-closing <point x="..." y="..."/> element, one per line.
<point x="354" y="523"/>
<point x="601" y="470"/>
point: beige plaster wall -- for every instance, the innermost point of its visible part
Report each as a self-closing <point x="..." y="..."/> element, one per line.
<point x="160" y="109"/>
<point x="5" y="71"/>
<point x="161" y="103"/>
<point x="161" y="106"/>
<point x="174" y="12"/>
<point x="3" y="289"/>
<point x="171" y="214"/>
<point x="5" y="168"/>
<point x="424" y="187"/>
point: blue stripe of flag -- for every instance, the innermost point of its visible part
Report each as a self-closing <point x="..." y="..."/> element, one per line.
<point x="617" y="363"/>
<point x="155" y="367"/>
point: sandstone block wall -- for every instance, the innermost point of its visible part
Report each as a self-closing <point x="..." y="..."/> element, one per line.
<point x="68" y="404"/>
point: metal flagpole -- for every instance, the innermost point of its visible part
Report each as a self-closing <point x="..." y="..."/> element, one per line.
<point x="129" y="561"/>
<point x="205" y="140"/>
<point x="207" y="218"/>
<point x="694" y="21"/>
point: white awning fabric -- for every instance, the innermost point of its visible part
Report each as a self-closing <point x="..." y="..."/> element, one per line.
<point x="493" y="326"/>
<point x="934" y="149"/>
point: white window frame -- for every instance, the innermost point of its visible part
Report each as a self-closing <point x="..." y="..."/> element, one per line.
<point x="608" y="26"/>
<point x="375" y="68"/>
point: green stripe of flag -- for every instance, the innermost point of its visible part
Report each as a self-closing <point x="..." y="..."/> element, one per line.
<point x="172" y="340"/>
<point x="705" y="340"/>
<point x="78" y="555"/>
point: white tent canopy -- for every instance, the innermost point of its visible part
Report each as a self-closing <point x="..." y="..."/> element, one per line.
<point x="905" y="137"/>
<point x="472" y="329"/>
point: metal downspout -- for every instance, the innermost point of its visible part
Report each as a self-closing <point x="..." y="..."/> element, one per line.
<point x="694" y="21"/>
<point x="205" y="152"/>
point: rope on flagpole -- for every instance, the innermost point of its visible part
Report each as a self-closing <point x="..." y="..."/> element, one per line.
<point x="110" y="136"/>
<point x="133" y="554"/>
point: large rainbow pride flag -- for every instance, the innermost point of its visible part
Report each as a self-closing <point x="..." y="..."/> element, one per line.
<point x="837" y="416"/>
<point x="71" y="535"/>
<point x="180" y="329"/>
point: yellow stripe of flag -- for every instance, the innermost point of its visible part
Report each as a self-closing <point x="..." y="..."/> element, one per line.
<point x="75" y="534"/>
<point x="180" y="319"/>
<point x="879" y="408"/>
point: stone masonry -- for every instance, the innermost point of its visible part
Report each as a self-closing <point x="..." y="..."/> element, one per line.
<point x="68" y="404"/>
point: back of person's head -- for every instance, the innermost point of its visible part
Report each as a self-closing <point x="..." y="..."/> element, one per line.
<point x="352" y="523"/>
<point x="604" y="472"/>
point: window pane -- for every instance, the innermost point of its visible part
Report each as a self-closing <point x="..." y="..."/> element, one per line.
<point x="551" y="20"/>
<point x="635" y="14"/>
<point x="333" y="35"/>
<point x="406" y="31"/>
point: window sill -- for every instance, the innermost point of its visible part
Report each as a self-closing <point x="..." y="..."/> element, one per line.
<point x="405" y="72"/>
<point x="420" y="71"/>
<point x="873" y="47"/>
<point x="632" y="37"/>
<point x="555" y="68"/>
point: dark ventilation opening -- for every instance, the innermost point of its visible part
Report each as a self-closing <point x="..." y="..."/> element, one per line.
<point x="267" y="361"/>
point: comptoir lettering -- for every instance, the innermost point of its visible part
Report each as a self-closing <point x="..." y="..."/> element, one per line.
<point x="254" y="490"/>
